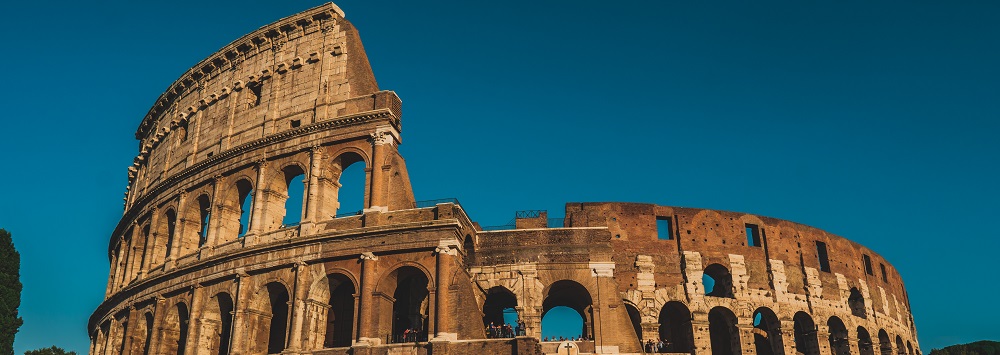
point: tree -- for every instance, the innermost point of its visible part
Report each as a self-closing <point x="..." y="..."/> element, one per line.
<point x="49" y="351"/>
<point x="10" y="292"/>
<point x="984" y="347"/>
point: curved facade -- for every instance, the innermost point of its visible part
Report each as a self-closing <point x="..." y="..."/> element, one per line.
<point x="233" y="240"/>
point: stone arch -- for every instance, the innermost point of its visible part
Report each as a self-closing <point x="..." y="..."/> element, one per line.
<point x="330" y="311"/>
<point x="571" y="294"/>
<point x="217" y="324"/>
<point x="767" y="332"/>
<point x="344" y="160"/>
<point x="805" y="334"/>
<point x="498" y="299"/>
<point x="235" y="211"/>
<point x="142" y="334"/>
<point x="865" y="342"/>
<point x="909" y="347"/>
<point x="856" y="301"/>
<point x="268" y="318"/>
<point x="884" y="344"/>
<point x="635" y="318"/>
<point x="174" y="330"/>
<point x="724" y="334"/>
<point x="277" y="187"/>
<point x="839" y="343"/>
<point x="195" y="221"/>
<point x="900" y="346"/>
<point x="166" y="233"/>
<point x="404" y="303"/>
<point x="722" y="281"/>
<point x="675" y="327"/>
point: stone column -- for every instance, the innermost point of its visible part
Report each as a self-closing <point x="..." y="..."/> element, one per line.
<point x="240" y="313"/>
<point x="298" y="306"/>
<point x="823" y="340"/>
<point x="603" y="272"/>
<point x="313" y="195"/>
<point x="366" y="334"/>
<point x="747" y="338"/>
<point x="384" y="141"/>
<point x="215" y="220"/>
<point x="257" y="209"/>
<point x="179" y="230"/>
<point x="446" y="252"/>
<point x="158" y="313"/>
<point x="702" y="337"/>
<point x="194" y="320"/>
<point x="788" y="336"/>
<point x="151" y="240"/>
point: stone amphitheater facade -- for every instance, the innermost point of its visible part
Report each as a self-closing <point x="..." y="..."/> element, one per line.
<point x="203" y="260"/>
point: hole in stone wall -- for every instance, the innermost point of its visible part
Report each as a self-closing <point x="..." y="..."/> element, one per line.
<point x="296" y="123"/>
<point x="868" y="264"/>
<point x="753" y="235"/>
<point x="718" y="281"/>
<point x="824" y="260"/>
<point x="857" y="303"/>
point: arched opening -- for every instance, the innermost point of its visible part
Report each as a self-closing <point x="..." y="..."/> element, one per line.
<point x="410" y="310"/>
<point x="498" y="312"/>
<point x="141" y="334"/>
<point x="122" y="335"/>
<point x="268" y="319"/>
<point x="718" y="281"/>
<point x="204" y="215"/>
<point x="675" y="328"/>
<point x="175" y="329"/>
<point x="245" y="191"/>
<point x="170" y="218"/>
<point x="884" y="344"/>
<point x="217" y="324"/>
<point x="865" y="342"/>
<point x="767" y="332"/>
<point x="567" y="311"/>
<point x="839" y="343"/>
<point x="147" y="335"/>
<point x="909" y="347"/>
<point x="470" y="251"/>
<point x="351" y="183"/>
<point x="857" y="303"/>
<point x="635" y="318"/>
<point x="340" y="319"/>
<point x="294" y="178"/>
<point x="805" y="334"/>
<point x="900" y="347"/>
<point x="722" y="329"/>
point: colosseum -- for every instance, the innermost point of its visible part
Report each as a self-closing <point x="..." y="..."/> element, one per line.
<point x="215" y="254"/>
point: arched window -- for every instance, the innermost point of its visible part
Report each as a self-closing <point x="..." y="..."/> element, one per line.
<point x="295" y="198"/>
<point x="245" y="190"/>
<point x="884" y="344"/>
<point x="410" y="311"/>
<point x="675" y="327"/>
<point x="171" y="225"/>
<point x="174" y="330"/>
<point x="805" y="334"/>
<point x="900" y="347"/>
<point x="217" y="324"/>
<point x="334" y="322"/>
<point x="204" y="216"/>
<point x="865" y="342"/>
<point x="718" y="281"/>
<point x="722" y="329"/>
<point x="351" y="183"/>
<point x="269" y="319"/>
<point x="857" y="303"/>
<point x="839" y="342"/>
<point x="767" y="332"/>
<point x="498" y="310"/>
<point x="636" y="319"/>
<point x="567" y="311"/>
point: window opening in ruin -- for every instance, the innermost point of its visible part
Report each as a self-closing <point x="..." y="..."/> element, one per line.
<point x="499" y="310"/>
<point x="204" y="216"/>
<point x="824" y="260"/>
<point x="340" y="316"/>
<point x="664" y="230"/>
<point x="148" y="318"/>
<point x="253" y="94"/>
<point x="839" y="343"/>
<point x="868" y="264"/>
<point x="278" y="297"/>
<point x="753" y="235"/>
<point x="635" y="318"/>
<point x="857" y="303"/>
<point x="225" y="306"/>
<point x="767" y="332"/>
<point x="675" y="328"/>
<point x="246" y="206"/>
<point x="900" y="347"/>
<point x="865" y="342"/>
<point x="182" y="131"/>
<point x="182" y="332"/>
<point x="351" y="193"/>
<point x="295" y="182"/>
<point x="171" y="227"/>
<point x="567" y="311"/>
<point x="884" y="344"/>
<point x="296" y="123"/>
<point x="718" y="281"/>
<point x="470" y="251"/>
<point x="806" y="341"/>
<point x="885" y="277"/>
<point x="410" y="311"/>
<point x="722" y="330"/>
<point x="123" y="332"/>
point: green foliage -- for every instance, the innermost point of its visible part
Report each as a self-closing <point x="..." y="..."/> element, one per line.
<point x="49" y="351"/>
<point x="984" y="347"/>
<point x="10" y="292"/>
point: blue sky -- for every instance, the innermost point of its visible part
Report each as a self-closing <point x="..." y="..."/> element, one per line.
<point x="874" y="120"/>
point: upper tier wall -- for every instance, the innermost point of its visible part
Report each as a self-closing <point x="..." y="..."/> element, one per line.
<point x="299" y="70"/>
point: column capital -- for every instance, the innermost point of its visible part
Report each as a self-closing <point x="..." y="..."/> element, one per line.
<point x="368" y="256"/>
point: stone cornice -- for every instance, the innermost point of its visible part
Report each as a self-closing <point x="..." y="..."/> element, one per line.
<point x="262" y="36"/>
<point x="172" y="181"/>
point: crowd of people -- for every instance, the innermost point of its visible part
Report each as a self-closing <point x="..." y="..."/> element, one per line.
<point x="410" y="335"/>
<point x="505" y="330"/>
<point x="658" y="346"/>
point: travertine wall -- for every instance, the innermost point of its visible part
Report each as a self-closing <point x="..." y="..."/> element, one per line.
<point x="193" y="271"/>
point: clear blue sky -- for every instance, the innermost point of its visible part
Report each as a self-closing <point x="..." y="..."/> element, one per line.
<point x="874" y="120"/>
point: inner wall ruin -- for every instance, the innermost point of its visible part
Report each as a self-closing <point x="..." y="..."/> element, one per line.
<point x="206" y="260"/>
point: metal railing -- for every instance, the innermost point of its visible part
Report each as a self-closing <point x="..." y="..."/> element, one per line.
<point x="528" y="213"/>
<point x="432" y="203"/>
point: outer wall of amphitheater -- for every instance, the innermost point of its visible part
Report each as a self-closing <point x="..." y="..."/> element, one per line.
<point x="215" y="254"/>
